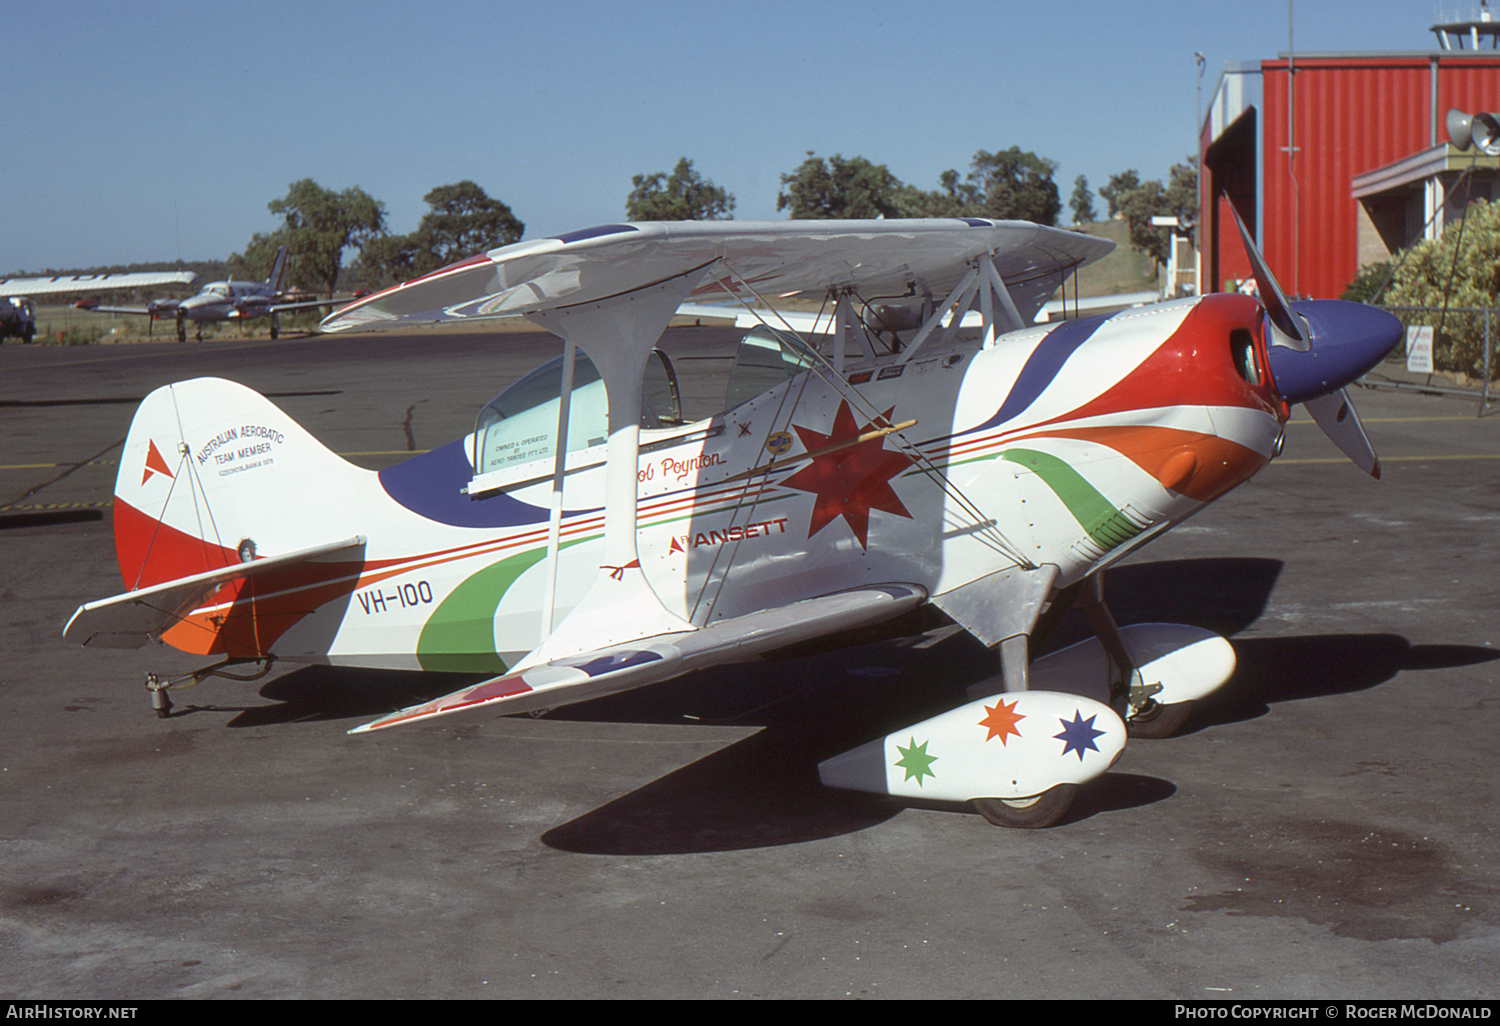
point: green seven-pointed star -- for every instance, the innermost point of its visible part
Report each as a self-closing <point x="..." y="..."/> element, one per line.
<point x="916" y="761"/>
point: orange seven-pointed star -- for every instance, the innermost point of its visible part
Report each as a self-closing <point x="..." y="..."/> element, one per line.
<point x="851" y="481"/>
<point x="1001" y="720"/>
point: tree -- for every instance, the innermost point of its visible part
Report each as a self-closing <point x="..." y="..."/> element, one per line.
<point x="255" y="263"/>
<point x="1138" y="202"/>
<point x="839" y="188"/>
<point x="1117" y="186"/>
<point x="1082" y="202"/>
<point x="1369" y="283"/>
<point x="318" y="225"/>
<point x="952" y="198"/>
<point x="1011" y="184"/>
<point x="1461" y="269"/>
<point x="1182" y="195"/>
<point x="684" y="196"/>
<point x="464" y="221"/>
<point x="1016" y="184"/>
<point x="390" y="259"/>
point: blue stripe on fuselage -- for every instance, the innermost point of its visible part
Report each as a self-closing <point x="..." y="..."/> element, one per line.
<point x="1042" y="366"/>
<point x="429" y="485"/>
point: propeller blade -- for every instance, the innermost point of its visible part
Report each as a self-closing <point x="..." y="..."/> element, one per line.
<point x="1335" y="414"/>
<point x="1289" y="331"/>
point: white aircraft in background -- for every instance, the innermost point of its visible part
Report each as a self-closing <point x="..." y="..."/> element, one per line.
<point x="225" y="301"/>
<point x="18" y="315"/>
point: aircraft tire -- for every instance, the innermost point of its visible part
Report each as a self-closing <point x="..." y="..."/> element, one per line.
<point x="1158" y="721"/>
<point x="1044" y="810"/>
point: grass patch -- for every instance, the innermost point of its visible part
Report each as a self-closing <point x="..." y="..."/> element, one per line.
<point x="1125" y="270"/>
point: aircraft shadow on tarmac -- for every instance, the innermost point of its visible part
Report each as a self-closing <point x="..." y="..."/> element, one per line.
<point x="764" y="790"/>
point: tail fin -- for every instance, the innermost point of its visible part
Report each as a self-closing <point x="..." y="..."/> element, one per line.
<point x="214" y="474"/>
<point x="278" y="270"/>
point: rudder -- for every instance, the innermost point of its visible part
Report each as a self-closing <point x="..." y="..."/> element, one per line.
<point x="278" y="270"/>
<point x="212" y="473"/>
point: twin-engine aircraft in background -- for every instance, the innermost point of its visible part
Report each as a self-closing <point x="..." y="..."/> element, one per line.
<point x="225" y="301"/>
<point x="18" y="315"/>
<point x="586" y="538"/>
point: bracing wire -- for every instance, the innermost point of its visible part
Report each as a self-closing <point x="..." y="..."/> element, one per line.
<point x="830" y="377"/>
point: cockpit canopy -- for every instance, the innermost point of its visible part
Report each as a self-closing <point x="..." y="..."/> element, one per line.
<point x="765" y="358"/>
<point x="515" y="434"/>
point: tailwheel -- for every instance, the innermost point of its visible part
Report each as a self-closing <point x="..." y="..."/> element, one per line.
<point x="1154" y="720"/>
<point x="160" y="701"/>
<point x="1042" y="810"/>
<point x="159" y="687"/>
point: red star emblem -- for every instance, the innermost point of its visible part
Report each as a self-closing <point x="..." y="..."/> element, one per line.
<point x="850" y="481"/>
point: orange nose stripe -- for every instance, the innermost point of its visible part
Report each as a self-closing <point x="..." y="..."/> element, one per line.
<point x="1191" y="463"/>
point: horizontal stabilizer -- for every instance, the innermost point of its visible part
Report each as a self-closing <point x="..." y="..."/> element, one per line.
<point x="136" y="617"/>
<point x="620" y="667"/>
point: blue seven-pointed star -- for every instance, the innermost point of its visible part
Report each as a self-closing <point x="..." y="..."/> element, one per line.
<point x="1078" y="734"/>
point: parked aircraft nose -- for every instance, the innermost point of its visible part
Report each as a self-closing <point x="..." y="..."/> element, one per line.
<point x="1347" y="339"/>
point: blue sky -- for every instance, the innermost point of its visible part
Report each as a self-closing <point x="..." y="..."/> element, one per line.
<point x="156" y="130"/>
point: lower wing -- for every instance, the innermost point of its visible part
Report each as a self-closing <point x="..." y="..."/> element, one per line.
<point x="619" y="667"/>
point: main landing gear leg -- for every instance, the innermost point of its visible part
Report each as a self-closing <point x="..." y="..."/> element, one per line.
<point x="1038" y="811"/>
<point x="1144" y="716"/>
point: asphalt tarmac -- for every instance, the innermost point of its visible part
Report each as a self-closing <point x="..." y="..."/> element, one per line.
<point x="1324" y="828"/>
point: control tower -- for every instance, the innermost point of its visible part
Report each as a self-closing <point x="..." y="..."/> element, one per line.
<point x="1477" y="33"/>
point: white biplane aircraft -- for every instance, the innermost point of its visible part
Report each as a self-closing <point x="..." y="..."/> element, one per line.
<point x="584" y="539"/>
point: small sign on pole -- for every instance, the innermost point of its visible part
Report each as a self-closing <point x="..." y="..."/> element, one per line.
<point x="1419" y="349"/>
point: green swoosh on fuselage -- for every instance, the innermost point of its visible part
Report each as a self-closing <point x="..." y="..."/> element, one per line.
<point x="1105" y="523"/>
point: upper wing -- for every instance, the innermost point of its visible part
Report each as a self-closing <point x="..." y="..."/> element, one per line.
<point x="770" y="257"/>
<point x="92" y="282"/>
<point x="589" y="674"/>
<point x="136" y="617"/>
